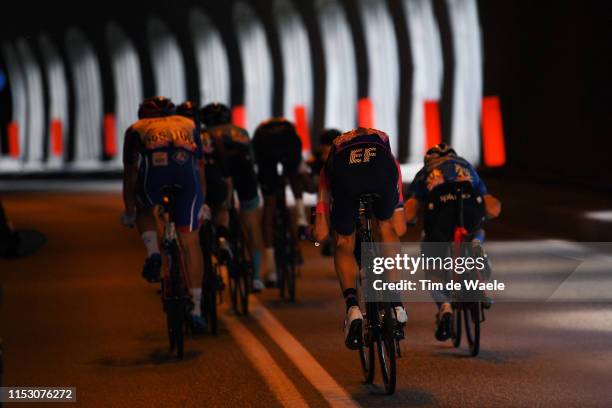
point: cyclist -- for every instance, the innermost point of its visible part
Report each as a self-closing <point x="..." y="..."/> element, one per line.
<point x="275" y="143"/>
<point x="360" y="161"/>
<point x="430" y="188"/>
<point x="241" y="169"/>
<point x="161" y="148"/>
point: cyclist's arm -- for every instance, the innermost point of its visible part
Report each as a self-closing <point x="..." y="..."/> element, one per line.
<point x="418" y="193"/>
<point x="492" y="206"/>
<point x="411" y="210"/>
<point x="399" y="219"/>
<point x="130" y="170"/>
<point x="321" y="227"/>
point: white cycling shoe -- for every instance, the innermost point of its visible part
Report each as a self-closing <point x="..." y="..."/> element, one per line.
<point x="258" y="285"/>
<point x="353" y="328"/>
<point x="400" y="314"/>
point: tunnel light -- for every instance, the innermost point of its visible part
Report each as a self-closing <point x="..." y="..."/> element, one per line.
<point x="605" y="215"/>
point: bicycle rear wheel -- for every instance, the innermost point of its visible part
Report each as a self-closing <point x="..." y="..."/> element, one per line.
<point x="209" y="303"/>
<point x="289" y="280"/>
<point x="471" y="315"/>
<point x="367" y="356"/>
<point x="385" y="343"/>
<point x="175" y="315"/>
<point x="456" y="325"/>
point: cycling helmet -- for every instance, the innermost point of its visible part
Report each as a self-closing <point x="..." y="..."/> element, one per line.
<point x="215" y="114"/>
<point x="155" y="107"/>
<point x="439" y="150"/>
<point x="187" y="110"/>
<point x="327" y="136"/>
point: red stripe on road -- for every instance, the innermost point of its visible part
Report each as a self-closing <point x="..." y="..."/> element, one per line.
<point x="110" y="135"/>
<point x="12" y="131"/>
<point x="365" y="113"/>
<point x="301" y="125"/>
<point x="433" y="132"/>
<point x="57" y="140"/>
<point x="493" y="141"/>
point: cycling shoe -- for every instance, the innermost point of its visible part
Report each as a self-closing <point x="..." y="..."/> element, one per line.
<point x="353" y="328"/>
<point x="152" y="268"/>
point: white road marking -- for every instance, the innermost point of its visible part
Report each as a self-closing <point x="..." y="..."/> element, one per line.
<point x="282" y="387"/>
<point x="303" y="360"/>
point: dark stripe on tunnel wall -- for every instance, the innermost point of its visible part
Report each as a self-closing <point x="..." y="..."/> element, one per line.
<point x="406" y="69"/>
<point x="446" y="101"/>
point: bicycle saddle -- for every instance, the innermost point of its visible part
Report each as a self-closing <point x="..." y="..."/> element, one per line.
<point x="171" y="189"/>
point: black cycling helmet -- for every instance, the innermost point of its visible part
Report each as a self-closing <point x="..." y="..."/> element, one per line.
<point x="156" y="107"/>
<point x="327" y="136"/>
<point x="187" y="109"/>
<point x="439" y="150"/>
<point x="215" y="114"/>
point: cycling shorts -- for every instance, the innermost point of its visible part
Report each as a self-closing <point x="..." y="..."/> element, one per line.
<point x="442" y="211"/>
<point x="272" y="149"/>
<point x="216" y="187"/>
<point x="164" y="167"/>
<point x="350" y="178"/>
<point x="242" y="170"/>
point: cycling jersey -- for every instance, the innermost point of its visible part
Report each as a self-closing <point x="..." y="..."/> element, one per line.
<point x="435" y="185"/>
<point x="360" y="162"/>
<point x="276" y="142"/>
<point x="215" y="167"/>
<point x="444" y="170"/>
<point x="167" y="151"/>
<point x="238" y="155"/>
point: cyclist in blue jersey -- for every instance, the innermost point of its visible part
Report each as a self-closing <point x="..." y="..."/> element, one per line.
<point x="359" y="162"/>
<point x="238" y="159"/>
<point x="162" y="148"/>
<point x="442" y="169"/>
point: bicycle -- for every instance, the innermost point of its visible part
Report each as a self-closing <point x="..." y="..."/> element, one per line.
<point x="463" y="302"/>
<point x="286" y="253"/>
<point x="240" y="267"/>
<point x="381" y="329"/>
<point x="174" y="296"/>
<point x="212" y="283"/>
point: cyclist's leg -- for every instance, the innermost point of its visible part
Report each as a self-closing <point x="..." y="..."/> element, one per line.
<point x="148" y="195"/>
<point x="297" y="173"/>
<point x="270" y="183"/>
<point x="187" y="211"/>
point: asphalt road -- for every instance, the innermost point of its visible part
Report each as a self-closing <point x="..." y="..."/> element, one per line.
<point x="78" y="314"/>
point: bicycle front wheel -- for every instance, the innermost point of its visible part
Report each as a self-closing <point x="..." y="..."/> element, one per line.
<point x="367" y="358"/>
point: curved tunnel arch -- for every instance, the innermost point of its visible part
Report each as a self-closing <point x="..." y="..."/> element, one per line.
<point x="212" y="59"/>
<point x="256" y="64"/>
<point x="297" y="61"/>
<point x="88" y="106"/>
<point x="341" y="83"/>
<point x="383" y="64"/>
<point x="18" y="97"/>
<point x="167" y="61"/>
<point x="127" y="80"/>
<point x="35" y="128"/>
<point x="58" y="112"/>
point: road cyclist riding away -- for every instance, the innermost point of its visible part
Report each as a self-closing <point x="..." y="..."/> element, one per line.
<point x="360" y="162"/>
<point x="163" y="149"/>
<point x="241" y="176"/>
<point x="277" y="146"/>
<point x="430" y="191"/>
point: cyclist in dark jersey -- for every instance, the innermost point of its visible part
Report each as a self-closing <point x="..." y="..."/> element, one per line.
<point x="160" y="149"/>
<point x="360" y="162"/>
<point x="241" y="169"/>
<point x="443" y="168"/>
<point x="275" y="143"/>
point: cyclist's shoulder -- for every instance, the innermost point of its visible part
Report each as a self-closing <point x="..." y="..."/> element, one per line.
<point x="360" y="135"/>
<point x="275" y="125"/>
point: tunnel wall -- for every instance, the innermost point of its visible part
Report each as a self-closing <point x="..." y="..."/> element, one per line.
<point x="346" y="63"/>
